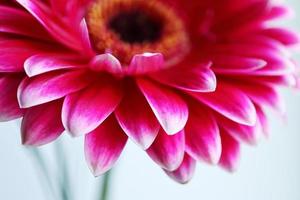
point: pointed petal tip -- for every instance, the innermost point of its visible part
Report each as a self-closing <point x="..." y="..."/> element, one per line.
<point x="229" y="168"/>
<point x="185" y="172"/>
<point x="136" y="118"/>
<point x="145" y="143"/>
<point x="211" y="82"/>
<point x="146" y="62"/>
<point x="97" y="171"/>
<point x="174" y="130"/>
<point x="106" y="62"/>
<point x="169" y="108"/>
<point x="231" y="150"/>
<point x="182" y="181"/>
<point x="25" y="142"/>
<point x="203" y="141"/>
<point x="261" y="63"/>
<point x="73" y="132"/>
<point x="168" y="151"/>
<point x="31" y="143"/>
<point x="211" y="159"/>
<point x="103" y="146"/>
<point x="251" y="119"/>
<point x="214" y="157"/>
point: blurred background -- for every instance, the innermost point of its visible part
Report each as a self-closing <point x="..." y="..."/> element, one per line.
<point x="270" y="171"/>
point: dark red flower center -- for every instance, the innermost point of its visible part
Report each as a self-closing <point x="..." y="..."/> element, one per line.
<point x="136" y="27"/>
<point x="128" y="27"/>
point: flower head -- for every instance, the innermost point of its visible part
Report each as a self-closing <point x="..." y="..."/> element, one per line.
<point x="185" y="81"/>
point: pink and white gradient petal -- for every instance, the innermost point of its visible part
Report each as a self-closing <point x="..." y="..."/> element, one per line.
<point x="85" y="110"/>
<point x="199" y="78"/>
<point x="168" y="150"/>
<point x="230" y="152"/>
<point x="145" y="63"/>
<point x="104" y="145"/>
<point x="9" y="107"/>
<point x="184" y="173"/>
<point x="136" y="118"/>
<point x="45" y="88"/>
<point x="238" y="107"/>
<point x="40" y="125"/>
<point x="169" y="108"/>
<point x="42" y="63"/>
<point x="203" y="141"/>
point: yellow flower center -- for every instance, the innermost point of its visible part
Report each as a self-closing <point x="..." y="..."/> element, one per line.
<point x="128" y="27"/>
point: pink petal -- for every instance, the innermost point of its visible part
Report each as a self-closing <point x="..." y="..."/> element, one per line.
<point x="13" y="54"/>
<point x="42" y="63"/>
<point x="268" y="43"/>
<point x="240" y="14"/>
<point x="85" y="110"/>
<point x="282" y="80"/>
<point x="248" y="134"/>
<point x="250" y="49"/>
<point x="273" y="52"/>
<point x="185" y="172"/>
<point x="228" y="64"/>
<point x="85" y="37"/>
<point x="54" y="25"/>
<point x="285" y="36"/>
<point x="169" y="108"/>
<point x="230" y="152"/>
<point x="50" y="86"/>
<point x="19" y="22"/>
<point x="73" y="10"/>
<point x="42" y="124"/>
<point x="277" y="67"/>
<point x="277" y="62"/>
<point x="230" y="102"/>
<point x="202" y="135"/>
<point x="168" y="151"/>
<point x="263" y="94"/>
<point x="198" y="79"/>
<point x="263" y="121"/>
<point x="9" y="107"/>
<point x="106" y="62"/>
<point x="136" y="118"/>
<point x="144" y="63"/>
<point x="103" y="146"/>
<point x="279" y="11"/>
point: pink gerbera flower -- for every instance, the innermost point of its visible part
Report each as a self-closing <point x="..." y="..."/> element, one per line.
<point x="186" y="81"/>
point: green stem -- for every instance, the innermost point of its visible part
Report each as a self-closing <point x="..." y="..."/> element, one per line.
<point x="105" y="186"/>
<point x="64" y="180"/>
<point x="42" y="169"/>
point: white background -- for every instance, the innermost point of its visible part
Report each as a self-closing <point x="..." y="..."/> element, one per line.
<point x="270" y="171"/>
